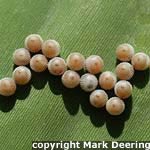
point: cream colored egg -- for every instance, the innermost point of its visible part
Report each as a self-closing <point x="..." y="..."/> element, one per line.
<point x="38" y="63"/>
<point x="115" y="106"/>
<point x="107" y="80"/>
<point x="33" y="43"/>
<point x="94" y="64"/>
<point x="88" y="82"/>
<point x="140" y="61"/>
<point x="98" y="98"/>
<point x="70" y="79"/>
<point x="22" y="75"/>
<point x="21" y="57"/>
<point x="51" y="48"/>
<point x="76" y="61"/>
<point x="124" y="71"/>
<point x="7" y="87"/>
<point x="123" y="89"/>
<point x="124" y="52"/>
<point x="57" y="66"/>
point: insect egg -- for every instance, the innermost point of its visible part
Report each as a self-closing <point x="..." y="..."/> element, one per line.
<point x="94" y="64"/>
<point x="51" y="48"/>
<point x="38" y="63"/>
<point x="22" y="75"/>
<point x="107" y="80"/>
<point x="75" y="61"/>
<point x="140" y="61"/>
<point x="21" y="57"/>
<point x="124" y="52"/>
<point x="57" y="66"/>
<point x="70" y="79"/>
<point x="123" y="89"/>
<point x="88" y="82"/>
<point x="124" y="71"/>
<point x="115" y="106"/>
<point x="7" y="86"/>
<point x="98" y="98"/>
<point x="33" y="43"/>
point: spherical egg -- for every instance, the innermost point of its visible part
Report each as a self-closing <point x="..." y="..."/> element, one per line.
<point x="33" y="43"/>
<point x="98" y="98"/>
<point x="140" y="61"/>
<point x="22" y="75"/>
<point x="70" y="79"/>
<point x="7" y="86"/>
<point x="57" y="66"/>
<point x="124" y="52"/>
<point x="88" y="82"/>
<point x="123" y="89"/>
<point x="115" y="106"/>
<point x="21" y="57"/>
<point x="51" y="48"/>
<point x="38" y="63"/>
<point x="107" y="80"/>
<point x="76" y="61"/>
<point x="124" y="71"/>
<point x="94" y="64"/>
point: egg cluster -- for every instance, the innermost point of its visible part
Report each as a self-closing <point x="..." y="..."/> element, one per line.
<point x="68" y="70"/>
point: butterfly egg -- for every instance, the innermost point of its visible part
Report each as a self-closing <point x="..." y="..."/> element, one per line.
<point x="115" y="106"/>
<point x="88" y="82"/>
<point x="107" y="80"/>
<point x="140" y="61"/>
<point x="51" y="48"/>
<point x="123" y="89"/>
<point x="94" y="64"/>
<point x="124" y="71"/>
<point x="98" y="98"/>
<point x="70" y="79"/>
<point x="75" y="61"/>
<point x="7" y="86"/>
<point x="22" y="75"/>
<point x="38" y="63"/>
<point x="21" y="57"/>
<point x="124" y="52"/>
<point x="57" y="66"/>
<point x="33" y="43"/>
